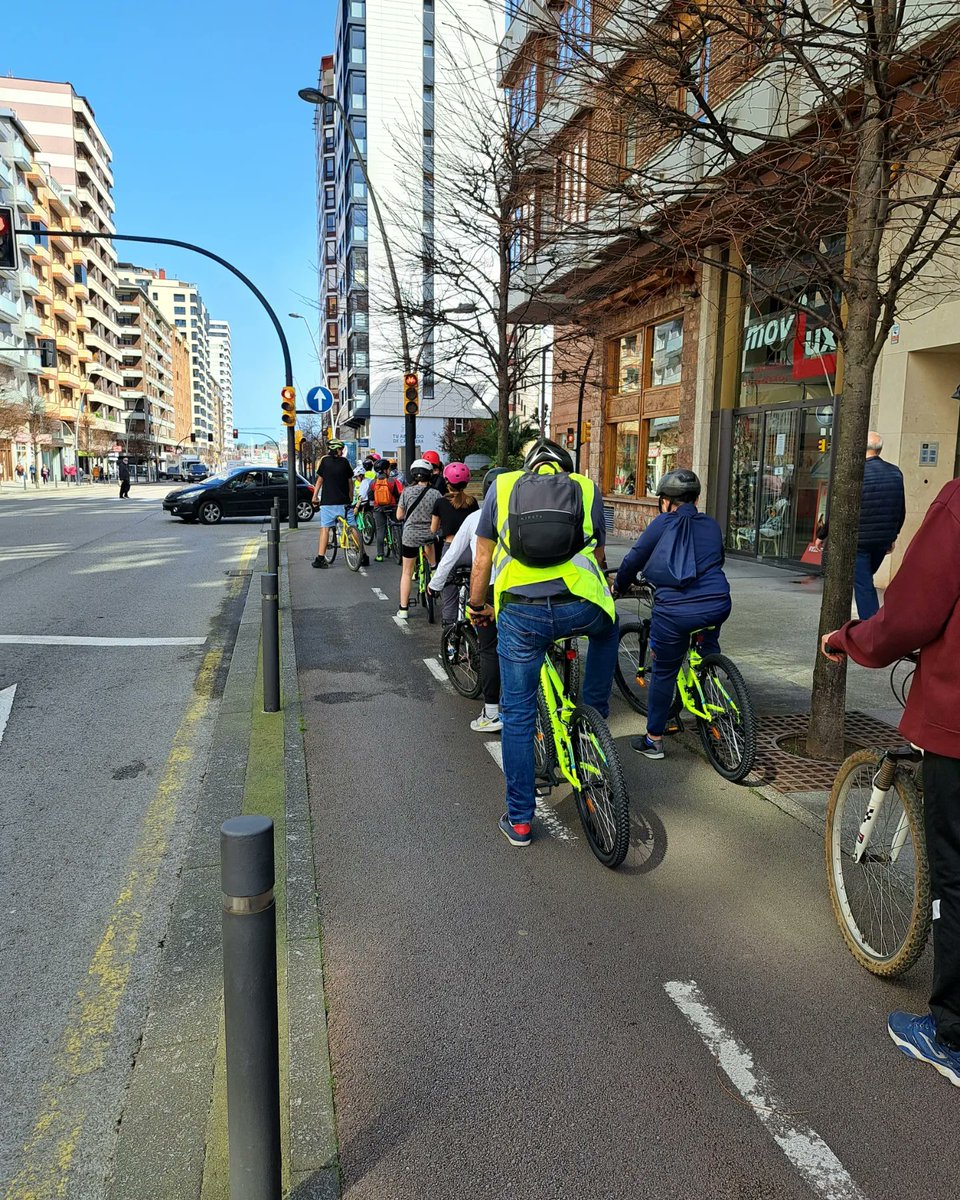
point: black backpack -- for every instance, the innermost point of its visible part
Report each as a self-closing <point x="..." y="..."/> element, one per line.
<point x="545" y="519"/>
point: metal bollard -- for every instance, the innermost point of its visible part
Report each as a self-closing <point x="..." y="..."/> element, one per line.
<point x="275" y="516"/>
<point x="270" y="629"/>
<point x="250" y="1007"/>
<point x="273" y="551"/>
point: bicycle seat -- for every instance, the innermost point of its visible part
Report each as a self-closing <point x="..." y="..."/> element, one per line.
<point x="460" y="576"/>
<point x="905" y="754"/>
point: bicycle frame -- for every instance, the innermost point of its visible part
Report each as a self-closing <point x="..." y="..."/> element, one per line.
<point x="882" y="783"/>
<point x="691" y="693"/>
<point x="559" y="710"/>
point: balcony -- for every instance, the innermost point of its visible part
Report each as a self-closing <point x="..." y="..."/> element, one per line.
<point x="29" y="283"/>
<point x="67" y="344"/>
<point x="19" y="153"/>
<point x="24" y="197"/>
<point x="6" y="173"/>
<point x="9" y="309"/>
<point x="64" y="308"/>
<point x="31" y="323"/>
<point x="83" y="322"/>
<point x="62" y="271"/>
<point x="28" y="247"/>
<point x="131" y="393"/>
<point x="68" y="377"/>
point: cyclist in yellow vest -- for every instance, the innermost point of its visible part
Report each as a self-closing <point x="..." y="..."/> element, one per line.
<point x="534" y="606"/>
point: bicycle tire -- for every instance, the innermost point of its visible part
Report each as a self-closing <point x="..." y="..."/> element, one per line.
<point x="353" y="550"/>
<point x="602" y="799"/>
<point x="460" y="655"/>
<point x="397" y="544"/>
<point x="430" y="602"/>
<point x="332" y="547"/>
<point x="730" y="740"/>
<point x="868" y="896"/>
<point x="367" y="528"/>
<point x="544" y="751"/>
<point x="632" y="671"/>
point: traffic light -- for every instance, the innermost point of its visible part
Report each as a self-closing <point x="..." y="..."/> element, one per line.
<point x="411" y="395"/>
<point x="288" y="403"/>
<point x="298" y="438"/>
<point x="8" y="241"/>
<point x="236" y="434"/>
<point x="193" y="437"/>
<point x="48" y="352"/>
<point x="209" y="437"/>
<point x="584" y="431"/>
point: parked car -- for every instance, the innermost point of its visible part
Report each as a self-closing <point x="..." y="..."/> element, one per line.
<point x="249" y="492"/>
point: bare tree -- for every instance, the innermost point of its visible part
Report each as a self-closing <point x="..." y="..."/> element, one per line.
<point x="810" y="151"/>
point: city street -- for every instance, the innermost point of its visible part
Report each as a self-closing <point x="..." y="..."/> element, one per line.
<point x="524" y="1023"/>
<point x="116" y="627"/>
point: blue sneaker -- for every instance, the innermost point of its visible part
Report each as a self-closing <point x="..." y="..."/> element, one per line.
<point x="516" y="835"/>
<point x="917" y="1037"/>
<point x="648" y="747"/>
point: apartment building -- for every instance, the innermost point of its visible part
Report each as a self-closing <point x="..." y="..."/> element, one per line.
<point x="147" y="374"/>
<point x="181" y="380"/>
<point x="221" y="368"/>
<point x="398" y="73"/>
<point x="74" y="152"/>
<point x="688" y="345"/>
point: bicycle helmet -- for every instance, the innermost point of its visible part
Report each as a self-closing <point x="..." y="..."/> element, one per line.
<point x="420" y="471"/>
<point x="544" y="452"/>
<point x="359" y="473"/>
<point x="367" y="463"/>
<point x="335" y="446"/>
<point x="681" y="485"/>
<point x="457" y="474"/>
<point x="433" y="457"/>
<point x="490" y="476"/>
<point x="381" y="466"/>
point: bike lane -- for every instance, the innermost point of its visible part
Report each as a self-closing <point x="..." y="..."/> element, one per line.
<point x="526" y="1023"/>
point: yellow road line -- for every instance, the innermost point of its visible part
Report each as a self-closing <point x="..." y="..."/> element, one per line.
<point x="48" y="1152"/>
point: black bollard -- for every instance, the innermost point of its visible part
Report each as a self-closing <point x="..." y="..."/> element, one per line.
<point x="275" y="516"/>
<point x="270" y="632"/>
<point x="250" y="1007"/>
<point x="273" y="551"/>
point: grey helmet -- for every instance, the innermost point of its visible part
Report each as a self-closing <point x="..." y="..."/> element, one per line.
<point x="682" y="485"/>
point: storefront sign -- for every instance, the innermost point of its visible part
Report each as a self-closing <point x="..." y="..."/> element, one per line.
<point x="789" y="340"/>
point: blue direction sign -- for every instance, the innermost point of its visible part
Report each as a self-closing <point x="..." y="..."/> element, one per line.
<point x="320" y="399"/>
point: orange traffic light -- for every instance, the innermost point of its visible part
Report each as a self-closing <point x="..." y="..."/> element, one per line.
<point x="288" y="404"/>
<point x="411" y="395"/>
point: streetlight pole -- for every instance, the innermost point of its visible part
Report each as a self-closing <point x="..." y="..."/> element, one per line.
<point x="315" y="96"/>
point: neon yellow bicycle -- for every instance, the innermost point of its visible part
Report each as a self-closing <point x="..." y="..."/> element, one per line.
<point x="574" y="740"/>
<point x="345" y="537"/>
<point x="709" y="687"/>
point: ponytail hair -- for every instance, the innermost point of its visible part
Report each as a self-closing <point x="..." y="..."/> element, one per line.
<point x="457" y="495"/>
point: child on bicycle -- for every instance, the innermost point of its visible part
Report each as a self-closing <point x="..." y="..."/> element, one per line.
<point x="384" y="494"/>
<point x="415" y="510"/>
<point x="681" y="554"/>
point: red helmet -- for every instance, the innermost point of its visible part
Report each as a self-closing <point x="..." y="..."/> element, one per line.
<point x="456" y="474"/>
<point x="432" y="456"/>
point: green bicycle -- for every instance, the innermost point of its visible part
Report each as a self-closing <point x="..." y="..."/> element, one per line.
<point x="419" y="592"/>
<point x="391" y="539"/>
<point x="574" y="740"/>
<point x="345" y="537"/>
<point x="368" y="530"/>
<point x="710" y="688"/>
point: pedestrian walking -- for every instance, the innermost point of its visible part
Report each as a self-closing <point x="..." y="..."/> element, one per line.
<point x="921" y="609"/>
<point x="123" y="474"/>
<point x="20" y="471"/>
<point x="882" y="513"/>
<point x="555" y="519"/>
<point x="44" y="472"/>
<point x="33" y="473"/>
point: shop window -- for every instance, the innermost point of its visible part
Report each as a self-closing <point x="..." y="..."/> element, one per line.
<point x="630" y="357"/>
<point x="665" y="353"/>
<point x="626" y="447"/>
<point x="662" y="440"/>
<point x="788" y="356"/>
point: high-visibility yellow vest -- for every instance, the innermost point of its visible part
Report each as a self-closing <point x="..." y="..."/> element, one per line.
<point x="581" y="575"/>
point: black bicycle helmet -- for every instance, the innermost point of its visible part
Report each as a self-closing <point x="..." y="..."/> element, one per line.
<point x="682" y="485"/>
<point x="491" y="476"/>
<point x="368" y="463"/>
<point x="381" y="466"/>
<point x="544" y="452"/>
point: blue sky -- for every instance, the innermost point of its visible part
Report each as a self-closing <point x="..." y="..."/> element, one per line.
<point x="212" y="145"/>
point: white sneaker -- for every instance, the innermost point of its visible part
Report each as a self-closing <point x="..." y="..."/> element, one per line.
<point x="485" y="724"/>
<point x="403" y="614"/>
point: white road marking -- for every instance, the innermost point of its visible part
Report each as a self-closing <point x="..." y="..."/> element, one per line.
<point x="403" y="624"/>
<point x="439" y="674"/>
<point x="805" y="1149"/>
<point x="6" y="706"/>
<point x="548" y="818"/>
<point x="25" y="639"/>
<point x="379" y="594"/>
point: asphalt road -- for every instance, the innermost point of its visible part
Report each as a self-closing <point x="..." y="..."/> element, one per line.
<point x="525" y="1023"/>
<point x="101" y="763"/>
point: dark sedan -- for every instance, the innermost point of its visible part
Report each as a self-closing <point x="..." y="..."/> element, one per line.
<point x="248" y="492"/>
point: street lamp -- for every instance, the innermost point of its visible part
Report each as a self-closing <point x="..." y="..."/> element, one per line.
<point x="314" y="96"/>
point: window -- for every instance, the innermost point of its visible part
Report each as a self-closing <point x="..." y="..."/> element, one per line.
<point x="330" y="252"/>
<point x="330" y="223"/>
<point x="358" y="45"/>
<point x="179" y="310"/>
<point x="181" y="296"/>
<point x="331" y="306"/>
<point x="459" y="424"/>
<point x="181" y="324"/>
<point x="631" y="142"/>
<point x="663" y="434"/>
<point x="665" y="353"/>
<point x="427" y="49"/>
<point x="357" y="92"/>
<point x="571" y="194"/>
<point x="523" y="101"/>
<point x="574" y="32"/>
<point x="331" y="360"/>
<point x="329" y="196"/>
<point x="698" y="81"/>
<point x="332" y="334"/>
<point x="625" y="449"/>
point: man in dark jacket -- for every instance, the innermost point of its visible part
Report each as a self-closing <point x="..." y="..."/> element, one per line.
<point x="922" y="611"/>
<point x="123" y="474"/>
<point x="882" y="513"/>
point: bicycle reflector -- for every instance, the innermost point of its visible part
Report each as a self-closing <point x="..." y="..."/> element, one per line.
<point x="411" y="395"/>
<point x="288" y="404"/>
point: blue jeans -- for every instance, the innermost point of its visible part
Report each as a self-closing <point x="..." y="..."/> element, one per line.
<point x="868" y="563"/>
<point x="524" y="633"/>
<point x="670" y="630"/>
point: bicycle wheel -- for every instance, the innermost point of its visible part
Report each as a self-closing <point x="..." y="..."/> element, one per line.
<point x="544" y="751"/>
<point x="882" y="904"/>
<point x="730" y="736"/>
<point x="367" y="528"/>
<point x="430" y="602"/>
<point x="632" y="671"/>
<point x="352" y="548"/>
<point x="332" y="547"/>
<point x="602" y="799"/>
<point x="396" y="545"/>
<point x="460" y="655"/>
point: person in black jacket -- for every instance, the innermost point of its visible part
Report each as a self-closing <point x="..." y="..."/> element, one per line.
<point x="882" y="513"/>
<point x="123" y="474"/>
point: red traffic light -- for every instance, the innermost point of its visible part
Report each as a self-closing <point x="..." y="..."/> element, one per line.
<point x="288" y="405"/>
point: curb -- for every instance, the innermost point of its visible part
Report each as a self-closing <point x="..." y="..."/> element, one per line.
<point x="312" y="1152"/>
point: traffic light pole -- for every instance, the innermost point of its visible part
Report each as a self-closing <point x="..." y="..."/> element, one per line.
<point x="292" y="521"/>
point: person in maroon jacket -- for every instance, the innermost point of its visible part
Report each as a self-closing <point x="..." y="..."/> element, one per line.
<point x="921" y="611"/>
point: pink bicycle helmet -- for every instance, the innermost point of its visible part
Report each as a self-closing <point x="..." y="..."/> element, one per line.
<point x="456" y="474"/>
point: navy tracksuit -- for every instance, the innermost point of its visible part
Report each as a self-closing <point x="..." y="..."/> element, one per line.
<point x="677" y="612"/>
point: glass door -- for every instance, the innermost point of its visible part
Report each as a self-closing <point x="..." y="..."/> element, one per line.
<point x="777" y="482"/>
<point x="744" y="478"/>
<point x="812" y="483"/>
